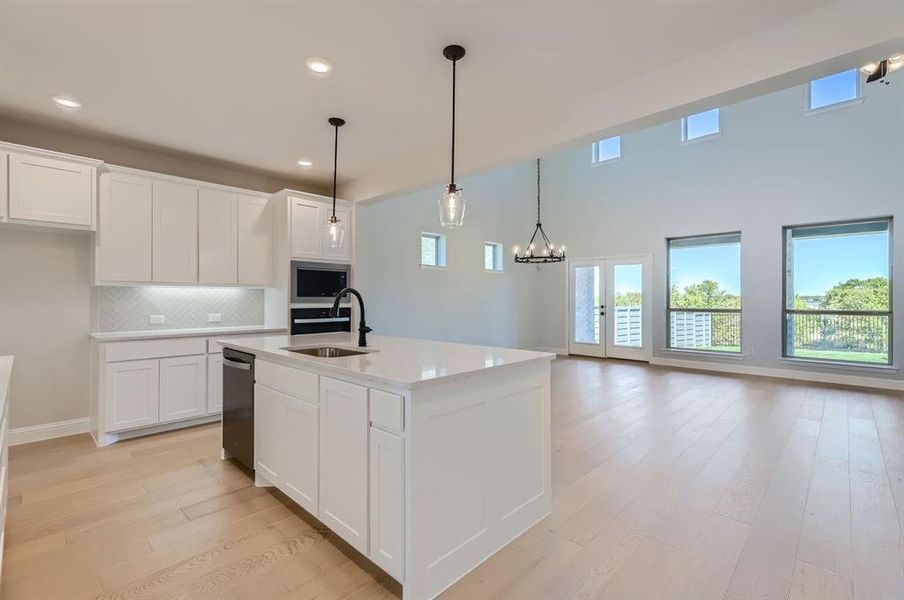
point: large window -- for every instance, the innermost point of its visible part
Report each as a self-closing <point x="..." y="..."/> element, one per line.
<point x="834" y="89"/>
<point x="838" y="292"/>
<point x="704" y="304"/>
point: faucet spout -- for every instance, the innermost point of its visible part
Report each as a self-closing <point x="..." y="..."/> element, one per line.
<point x="363" y="329"/>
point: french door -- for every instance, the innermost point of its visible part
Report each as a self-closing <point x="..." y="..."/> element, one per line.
<point x="610" y="307"/>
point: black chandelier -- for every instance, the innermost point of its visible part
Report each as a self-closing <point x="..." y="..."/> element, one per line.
<point x="548" y="253"/>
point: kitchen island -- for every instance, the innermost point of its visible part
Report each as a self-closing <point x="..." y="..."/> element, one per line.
<point x="427" y="457"/>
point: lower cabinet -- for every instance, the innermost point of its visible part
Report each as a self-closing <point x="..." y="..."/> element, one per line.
<point x="286" y="448"/>
<point x="214" y="384"/>
<point x="387" y="502"/>
<point x="183" y="388"/>
<point x="344" y="466"/>
<point x="131" y="394"/>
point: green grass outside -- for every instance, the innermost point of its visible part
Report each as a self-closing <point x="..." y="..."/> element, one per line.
<point x="880" y="358"/>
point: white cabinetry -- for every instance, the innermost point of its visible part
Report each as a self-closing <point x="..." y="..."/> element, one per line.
<point x="51" y="190"/>
<point x="217" y="236"/>
<point x="255" y="241"/>
<point x="269" y="433"/>
<point x="214" y="383"/>
<point x="130" y="391"/>
<point x="175" y="232"/>
<point x="183" y="388"/>
<point x="308" y="216"/>
<point x="387" y="503"/>
<point x="344" y="465"/>
<point x="4" y="184"/>
<point x="306" y="228"/>
<point x="124" y="242"/>
<point x="301" y="467"/>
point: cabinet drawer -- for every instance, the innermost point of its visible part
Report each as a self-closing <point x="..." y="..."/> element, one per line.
<point x="386" y="411"/>
<point x="140" y="349"/>
<point x="292" y="382"/>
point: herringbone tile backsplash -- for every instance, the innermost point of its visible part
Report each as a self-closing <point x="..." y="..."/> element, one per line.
<point x="129" y="308"/>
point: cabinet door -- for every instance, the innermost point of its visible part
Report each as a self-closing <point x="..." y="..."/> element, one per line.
<point x="50" y="190"/>
<point x="175" y="232"/>
<point x="124" y="230"/>
<point x="387" y="517"/>
<point x="269" y="433"/>
<point x="255" y="235"/>
<point x="217" y="236"/>
<point x="306" y="228"/>
<point x="214" y="383"/>
<point x="130" y="394"/>
<point x="301" y="456"/>
<point x="343" y="460"/>
<point x="344" y="251"/>
<point x="183" y="388"/>
<point x="4" y="187"/>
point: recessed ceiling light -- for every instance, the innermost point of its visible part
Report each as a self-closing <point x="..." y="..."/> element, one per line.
<point x="318" y="66"/>
<point x="305" y="163"/>
<point x="67" y="102"/>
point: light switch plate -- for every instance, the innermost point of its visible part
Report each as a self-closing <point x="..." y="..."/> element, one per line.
<point x="214" y="317"/>
<point x="157" y="319"/>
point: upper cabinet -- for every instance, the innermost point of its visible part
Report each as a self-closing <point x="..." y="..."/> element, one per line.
<point x="217" y="236"/>
<point x="159" y="229"/>
<point x="124" y="242"/>
<point x="308" y="217"/>
<point x="47" y="188"/>
<point x="255" y="241"/>
<point x="175" y="232"/>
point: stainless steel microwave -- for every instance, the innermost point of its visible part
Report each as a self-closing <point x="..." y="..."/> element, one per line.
<point x="318" y="282"/>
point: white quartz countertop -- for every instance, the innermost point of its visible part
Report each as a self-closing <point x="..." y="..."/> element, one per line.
<point x="393" y="361"/>
<point x="6" y="371"/>
<point x="121" y="336"/>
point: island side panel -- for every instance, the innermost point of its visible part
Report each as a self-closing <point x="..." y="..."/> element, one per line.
<point x="479" y="471"/>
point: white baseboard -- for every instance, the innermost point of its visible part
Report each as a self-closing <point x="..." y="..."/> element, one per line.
<point x="815" y="376"/>
<point x="47" y="431"/>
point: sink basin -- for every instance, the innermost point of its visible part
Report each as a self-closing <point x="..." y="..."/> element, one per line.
<point x="326" y="351"/>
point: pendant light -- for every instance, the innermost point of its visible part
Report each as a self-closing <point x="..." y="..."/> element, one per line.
<point x="548" y="253"/>
<point x="334" y="228"/>
<point x="452" y="203"/>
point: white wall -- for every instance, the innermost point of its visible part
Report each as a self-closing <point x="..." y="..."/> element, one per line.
<point x="773" y="165"/>
<point x="45" y="318"/>
<point x="462" y="302"/>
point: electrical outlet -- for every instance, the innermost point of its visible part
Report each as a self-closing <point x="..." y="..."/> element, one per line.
<point x="214" y="317"/>
<point x="157" y="319"/>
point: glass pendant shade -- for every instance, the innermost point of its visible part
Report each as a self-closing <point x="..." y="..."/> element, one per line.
<point x="452" y="208"/>
<point x="334" y="233"/>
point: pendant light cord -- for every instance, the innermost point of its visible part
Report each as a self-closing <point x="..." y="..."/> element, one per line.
<point x="538" y="192"/>
<point x="335" y="166"/>
<point x="452" y="177"/>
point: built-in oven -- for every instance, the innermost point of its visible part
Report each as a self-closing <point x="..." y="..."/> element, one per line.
<point x="318" y="320"/>
<point x="314" y="282"/>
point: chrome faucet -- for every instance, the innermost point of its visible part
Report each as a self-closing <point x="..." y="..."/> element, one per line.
<point x="363" y="329"/>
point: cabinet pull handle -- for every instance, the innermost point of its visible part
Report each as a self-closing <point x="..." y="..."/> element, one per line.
<point x="237" y="365"/>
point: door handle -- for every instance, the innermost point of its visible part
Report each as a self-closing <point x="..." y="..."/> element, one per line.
<point x="237" y="365"/>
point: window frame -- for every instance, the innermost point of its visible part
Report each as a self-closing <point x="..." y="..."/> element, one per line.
<point x="498" y="254"/>
<point x="595" y="151"/>
<point x="889" y="314"/>
<point x="715" y="134"/>
<point x="857" y="99"/>
<point x="668" y="299"/>
<point x="440" y="241"/>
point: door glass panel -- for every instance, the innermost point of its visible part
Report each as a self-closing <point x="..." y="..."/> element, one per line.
<point x="628" y="281"/>
<point x="586" y="305"/>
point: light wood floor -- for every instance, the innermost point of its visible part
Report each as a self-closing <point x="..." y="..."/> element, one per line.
<point x="667" y="484"/>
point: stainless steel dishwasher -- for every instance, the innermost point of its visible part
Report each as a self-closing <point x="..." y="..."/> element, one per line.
<point x="238" y="406"/>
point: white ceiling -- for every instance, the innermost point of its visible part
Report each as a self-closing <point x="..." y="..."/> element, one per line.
<point x="228" y="80"/>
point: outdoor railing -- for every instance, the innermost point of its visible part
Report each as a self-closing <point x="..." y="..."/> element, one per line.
<point x="854" y="336"/>
<point x="707" y="329"/>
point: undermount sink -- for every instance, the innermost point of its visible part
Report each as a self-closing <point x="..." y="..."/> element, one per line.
<point x="326" y="351"/>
